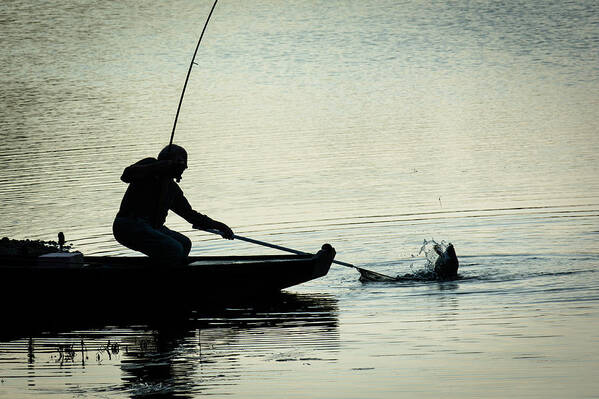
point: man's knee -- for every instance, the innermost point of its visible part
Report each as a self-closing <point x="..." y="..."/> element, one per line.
<point x="164" y="246"/>
<point x="186" y="244"/>
<point x="180" y="238"/>
<point x="172" y="251"/>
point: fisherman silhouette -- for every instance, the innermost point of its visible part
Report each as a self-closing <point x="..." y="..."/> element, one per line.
<point x="152" y="192"/>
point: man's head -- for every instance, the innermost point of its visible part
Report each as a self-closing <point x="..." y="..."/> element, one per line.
<point x="178" y="156"/>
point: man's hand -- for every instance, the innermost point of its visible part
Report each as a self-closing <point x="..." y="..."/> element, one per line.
<point x="225" y="231"/>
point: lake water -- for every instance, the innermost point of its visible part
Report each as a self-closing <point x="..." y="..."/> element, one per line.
<point x="370" y="125"/>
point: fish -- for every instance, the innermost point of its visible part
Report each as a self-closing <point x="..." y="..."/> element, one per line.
<point x="445" y="267"/>
<point x="447" y="264"/>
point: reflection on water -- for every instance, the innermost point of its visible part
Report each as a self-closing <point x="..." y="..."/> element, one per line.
<point x="201" y="351"/>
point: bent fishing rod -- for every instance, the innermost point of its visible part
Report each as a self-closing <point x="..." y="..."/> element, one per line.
<point x="189" y="73"/>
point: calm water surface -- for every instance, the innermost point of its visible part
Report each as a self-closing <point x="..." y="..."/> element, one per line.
<point x="370" y="125"/>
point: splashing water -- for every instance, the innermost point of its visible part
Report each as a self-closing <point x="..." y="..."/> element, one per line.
<point x="431" y="249"/>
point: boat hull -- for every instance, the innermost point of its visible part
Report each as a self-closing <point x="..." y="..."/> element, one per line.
<point x="130" y="280"/>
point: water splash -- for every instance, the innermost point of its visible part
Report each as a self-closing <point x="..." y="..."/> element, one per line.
<point x="431" y="250"/>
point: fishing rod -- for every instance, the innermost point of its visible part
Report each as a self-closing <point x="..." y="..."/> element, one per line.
<point x="189" y="73"/>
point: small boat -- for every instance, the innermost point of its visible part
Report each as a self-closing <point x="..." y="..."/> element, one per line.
<point x="76" y="281"/>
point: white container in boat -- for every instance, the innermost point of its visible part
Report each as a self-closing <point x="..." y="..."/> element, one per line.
<point x="60" y="259"/>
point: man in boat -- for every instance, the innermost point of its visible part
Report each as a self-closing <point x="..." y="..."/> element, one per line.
<point x="152" y="191"/>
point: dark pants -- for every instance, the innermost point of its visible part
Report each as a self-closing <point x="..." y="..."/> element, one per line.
<point x="160" y="244"/>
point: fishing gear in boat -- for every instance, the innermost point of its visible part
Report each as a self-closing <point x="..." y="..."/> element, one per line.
<point x="365" y="275"/>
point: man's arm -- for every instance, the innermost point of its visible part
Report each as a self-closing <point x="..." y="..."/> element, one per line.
<point x="182" y="208"/>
